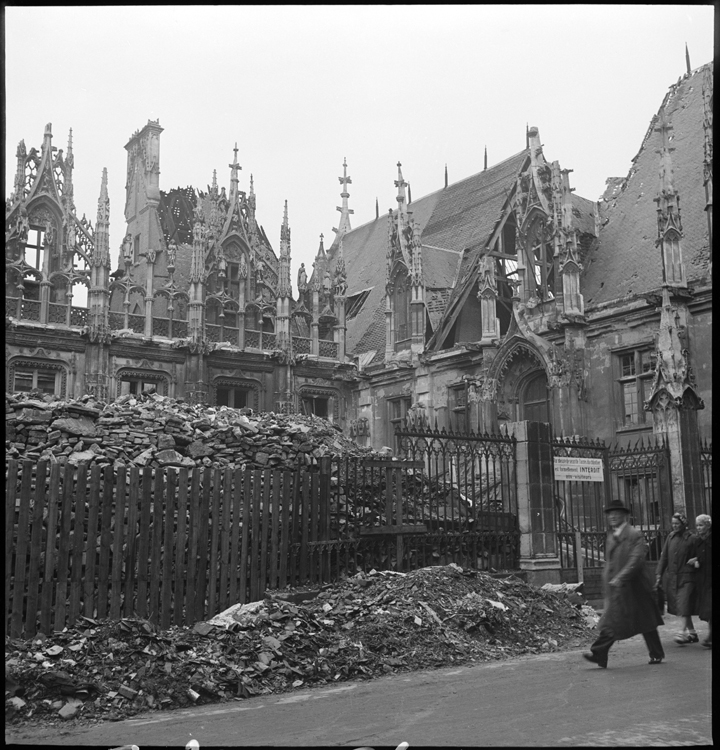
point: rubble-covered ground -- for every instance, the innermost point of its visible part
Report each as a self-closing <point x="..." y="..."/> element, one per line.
<point x="154" y="430"/>
<point x="366" y="626"/>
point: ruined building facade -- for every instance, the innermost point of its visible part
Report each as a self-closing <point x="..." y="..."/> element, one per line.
<point x="498" y="298"/>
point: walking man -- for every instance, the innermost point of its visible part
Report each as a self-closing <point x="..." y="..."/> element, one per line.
<point x="630" y="603"/>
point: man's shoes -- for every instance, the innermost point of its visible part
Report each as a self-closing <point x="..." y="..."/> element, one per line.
<point x="686" y="637"/>
<point x="655" y="660"/>
<point x="707" y="643"/>
<point x="595" y="660"/>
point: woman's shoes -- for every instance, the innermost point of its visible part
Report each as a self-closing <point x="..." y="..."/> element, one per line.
<point x="686" y="637"/>
<point x="655" y="660"/>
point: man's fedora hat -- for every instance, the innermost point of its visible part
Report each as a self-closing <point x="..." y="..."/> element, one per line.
<point x="616" y="505"/>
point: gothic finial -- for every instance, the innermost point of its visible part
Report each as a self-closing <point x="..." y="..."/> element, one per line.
<point x="285" y="213"/>
<point x="485" y="167"/>
<point x="214" y="180"/>
<point x="687" y="58"/>
<point x="527" y="135"/>
<point x="252" y="188"/>
<point x="446" y="179"/>
<point x="377" y="208"/>
<point x="409" y="194"/>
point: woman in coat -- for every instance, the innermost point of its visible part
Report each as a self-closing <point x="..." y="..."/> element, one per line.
<point x="630" y="602"/>
<point x="678" y="578"/>
<point x="701" y="561"/>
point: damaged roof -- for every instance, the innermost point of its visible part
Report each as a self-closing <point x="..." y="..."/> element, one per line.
<point x="624" y="261"/>
<point x="455" y="219"/>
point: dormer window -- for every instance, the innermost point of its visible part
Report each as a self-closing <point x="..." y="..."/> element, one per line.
<point x="541" y="261"/>
<point x="34" y="247"/>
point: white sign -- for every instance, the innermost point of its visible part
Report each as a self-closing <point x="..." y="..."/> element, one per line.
<point x="572" y="469"/>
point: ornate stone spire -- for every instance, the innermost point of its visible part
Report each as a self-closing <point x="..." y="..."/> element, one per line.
<point x="197" y="258"/>
<point x="344" y="226"/>
<point x="668" y="210"/>
<point x="284" y="288"/>
<point x="234" y="169"/>
<point x="101" y="251"/>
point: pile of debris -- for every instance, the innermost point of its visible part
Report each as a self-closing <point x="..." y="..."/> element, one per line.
<point x="369" y="625"/>
<point x="156" y="431"/>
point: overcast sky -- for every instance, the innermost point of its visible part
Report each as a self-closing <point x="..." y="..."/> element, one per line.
<point x="302" y="87"/>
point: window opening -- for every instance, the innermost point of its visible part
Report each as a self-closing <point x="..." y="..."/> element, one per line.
<point x="636" y="371"/>
<point x="355" y="304"/>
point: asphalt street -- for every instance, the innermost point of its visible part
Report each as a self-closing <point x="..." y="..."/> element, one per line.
<point x="557" y="700"/>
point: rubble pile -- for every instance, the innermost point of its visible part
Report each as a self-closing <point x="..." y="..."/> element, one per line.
<point x="156" y="431"/>
<point x="366" y="626"/>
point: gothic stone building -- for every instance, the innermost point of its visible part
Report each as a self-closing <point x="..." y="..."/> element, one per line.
<point x="501" y="297"/>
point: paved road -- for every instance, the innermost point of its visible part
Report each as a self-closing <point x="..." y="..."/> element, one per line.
<point x="555" y="700"/>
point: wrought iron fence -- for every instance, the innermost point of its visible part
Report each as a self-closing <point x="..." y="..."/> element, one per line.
<point x="404" y="518"/>
<point x="640" y="477"/>
<point x="580" y="503"/>
<point x="706" y="470"/>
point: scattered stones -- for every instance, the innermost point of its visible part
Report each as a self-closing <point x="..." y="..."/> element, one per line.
<point x="152" y="430"/>
<point x="366" y="626"/>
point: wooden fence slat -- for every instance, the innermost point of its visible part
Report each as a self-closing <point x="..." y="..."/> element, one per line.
<point x="181" y="546"/>
<point x="106" y="537"/>
<point x="191" y="591"/>
<point x="129" y="608"/>
<point x="295" y="534"/>
<point x="275" y="526"/>
<point x="264" y="531"/>
<point x="36" y="545"/>
<point x="235" y="535"/>
<point x="118" y="544"/>
<point x="144" y="544"/>
<point x="166" y="588"/>
<point x="314" y="524"/>
<point x="214" y="571"/>
<point x="63" y="565"/>
<point x="203" y="548"/>
<point x="255" y="541"/>
<point x="244" y="549"/>
<point x="51" y="542"/>
<point x="11" y="481"/>
<point x="304" y="526"/>
<point x="78" y="534"/>
<point x="91" y="542"/>
<point x="225" y="540"/>
<point x="284" y="530"/>
<point x="23" y="532"/>
<point x="158" y="515"/>
<point x="324" y="479"/>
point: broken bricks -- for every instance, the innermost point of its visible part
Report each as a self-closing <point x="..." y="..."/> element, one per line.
<point x="381" y="622"/>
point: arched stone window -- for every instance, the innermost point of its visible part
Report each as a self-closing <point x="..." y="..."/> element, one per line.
<point x="401" y="310"/>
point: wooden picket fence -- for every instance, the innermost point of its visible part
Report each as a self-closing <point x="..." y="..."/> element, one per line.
<point x="174" y="546"/>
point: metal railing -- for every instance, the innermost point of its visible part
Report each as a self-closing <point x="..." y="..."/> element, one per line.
<point x="706" y="472"/>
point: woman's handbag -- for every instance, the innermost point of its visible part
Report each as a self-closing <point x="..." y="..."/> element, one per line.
<point x="660" y="594"/>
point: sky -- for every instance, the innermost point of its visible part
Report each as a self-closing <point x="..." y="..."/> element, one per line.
<point x="300" y="88"/>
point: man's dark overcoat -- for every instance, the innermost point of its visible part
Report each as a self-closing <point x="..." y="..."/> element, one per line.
<point x="630" y="608"/>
